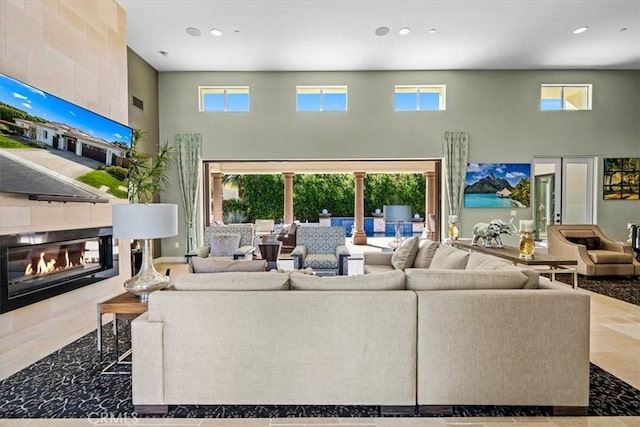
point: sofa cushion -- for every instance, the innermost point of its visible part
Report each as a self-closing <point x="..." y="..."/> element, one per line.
<point x="478" y="261"/>
<point x="231" y="281"/>
<point x="387" y="281"/>
<point x="405" y="254"/>
<point x="592" y="242"/>
<point x="212" y="265"/>
<point x="431" y="279"/>
<point x="449" y="258"/>
<point x="224" y="244"/>
<point x="602" y="256"/>
<point x="426" y="251"/>
<point x="321" y="261"/>
<point x="377" y="268"/>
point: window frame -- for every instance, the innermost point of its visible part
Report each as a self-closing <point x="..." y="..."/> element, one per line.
<point x="322" y="89"/>
<point x="203" y="91"/>
<point x="563" y="86"/>
<point x="442" y="92"/>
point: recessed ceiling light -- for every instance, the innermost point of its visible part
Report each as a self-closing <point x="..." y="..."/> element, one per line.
<point x="163" y="53"/>
<point x="404" y="31"/>
<point x="382" y="31"/>
<point x="432" y="31"/>
<point x="216" y="32"/>
<point x="192" y="31"/>
<point x="580" y="30"/>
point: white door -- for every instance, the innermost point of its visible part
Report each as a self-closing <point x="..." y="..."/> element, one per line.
<point x="562" y="192"/>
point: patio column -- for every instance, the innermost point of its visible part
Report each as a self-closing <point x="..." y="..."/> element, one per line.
<point x="359" y="237"/>
<point x="217" y="196"/>
<point x="430" y="230"/>
<point x="288" y="197"/>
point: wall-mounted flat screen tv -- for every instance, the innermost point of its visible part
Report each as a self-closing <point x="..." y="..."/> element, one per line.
<point x="38" y="115"/>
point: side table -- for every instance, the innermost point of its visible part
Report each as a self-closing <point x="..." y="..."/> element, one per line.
<point x="270" y="252"/>
<point x="125" y="306"/>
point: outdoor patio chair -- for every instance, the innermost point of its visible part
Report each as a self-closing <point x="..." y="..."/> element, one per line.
<point x="226" y="242"/>
<point x="323" y="249"/>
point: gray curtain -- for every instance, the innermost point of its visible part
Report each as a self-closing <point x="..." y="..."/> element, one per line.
<point x="189" y="146"/>
<point x="455" y="147"/>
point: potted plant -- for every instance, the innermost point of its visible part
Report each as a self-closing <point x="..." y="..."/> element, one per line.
<point x="146" y="175"/>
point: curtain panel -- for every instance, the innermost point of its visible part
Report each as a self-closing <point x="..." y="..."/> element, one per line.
<point x="189" y="147"/>
<point x="455" y="148"/>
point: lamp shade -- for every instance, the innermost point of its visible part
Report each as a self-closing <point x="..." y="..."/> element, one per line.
<point x="397" y="213"/>
<point x="145" y="221"/>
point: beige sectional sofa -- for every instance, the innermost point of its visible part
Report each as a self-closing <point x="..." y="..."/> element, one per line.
<point x="398" y="339"/>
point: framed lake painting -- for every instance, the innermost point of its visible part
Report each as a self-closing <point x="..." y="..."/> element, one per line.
<point x="497" y="185"/>
<point x="621" y="179"/>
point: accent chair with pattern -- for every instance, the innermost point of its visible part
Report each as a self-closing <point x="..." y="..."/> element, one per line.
<point x="323" y="249"/>
<point x="226" y="242"/>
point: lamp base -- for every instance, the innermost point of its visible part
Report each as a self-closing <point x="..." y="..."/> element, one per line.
<point x="143" y="286"/>
<point x="148" y="279"/>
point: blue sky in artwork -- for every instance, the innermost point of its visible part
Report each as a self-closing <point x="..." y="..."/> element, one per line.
<point x="53" y="109"/>
<point x="512" y="172"/>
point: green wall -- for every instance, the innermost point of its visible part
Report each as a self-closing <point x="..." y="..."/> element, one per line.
<point x="500" y="110"/>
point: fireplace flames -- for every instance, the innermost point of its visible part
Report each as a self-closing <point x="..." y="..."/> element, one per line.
<point x="44" y="266"/>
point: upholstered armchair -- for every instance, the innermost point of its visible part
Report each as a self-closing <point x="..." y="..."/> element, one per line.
<point x="226" y="242"/>
<point x="321" y="248"/>
<point x="288" y="235"/>
<point x="597" y="255"/>
<point x="264" y="226"/>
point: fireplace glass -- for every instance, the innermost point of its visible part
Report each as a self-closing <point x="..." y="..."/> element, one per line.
<point x="41" y="265"/>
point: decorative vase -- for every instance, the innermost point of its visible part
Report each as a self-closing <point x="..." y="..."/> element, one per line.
<point x="453" y="227"/>
<point x="527" y="245"/>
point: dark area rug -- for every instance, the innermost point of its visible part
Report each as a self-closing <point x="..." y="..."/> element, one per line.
<point x="624" y="288"/>
<point x="68" y="384"/>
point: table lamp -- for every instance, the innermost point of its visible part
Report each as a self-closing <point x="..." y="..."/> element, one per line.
<point x="145" y="222"/>
<point x="396" y="214"/>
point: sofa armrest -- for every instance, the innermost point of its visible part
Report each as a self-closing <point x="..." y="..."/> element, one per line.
<point x="342" y="250"/>
<point x="377" y="258"/>
<point x="299" y="253"/>
<point x="243" y="252"/>
<point x="148" y="361"/>
<point x="343" y="260"/>
<point x="610" y="245"/>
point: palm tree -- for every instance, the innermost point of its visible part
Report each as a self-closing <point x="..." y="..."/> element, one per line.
<point x="234" y="181"/>
<point x="146" y="176"/>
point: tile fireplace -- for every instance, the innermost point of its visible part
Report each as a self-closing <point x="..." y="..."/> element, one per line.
<point x="39" y="265"/>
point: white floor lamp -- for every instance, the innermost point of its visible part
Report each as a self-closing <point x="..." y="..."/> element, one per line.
<point x="145" y="222"/>
<point x="396" y="214"/>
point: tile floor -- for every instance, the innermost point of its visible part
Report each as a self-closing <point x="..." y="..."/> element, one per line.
<point x="615" y="346"/>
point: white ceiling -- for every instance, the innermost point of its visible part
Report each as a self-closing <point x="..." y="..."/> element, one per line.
<point x="319" y="35"/>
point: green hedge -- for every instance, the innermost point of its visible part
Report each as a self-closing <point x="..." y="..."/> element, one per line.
<point x="263" y="195"/>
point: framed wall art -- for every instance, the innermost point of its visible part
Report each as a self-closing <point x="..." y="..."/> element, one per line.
<point x="621" y="179"/>
<point x="497" y="185"/>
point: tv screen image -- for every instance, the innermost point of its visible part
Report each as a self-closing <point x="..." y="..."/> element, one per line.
<point x="31" y="117"/>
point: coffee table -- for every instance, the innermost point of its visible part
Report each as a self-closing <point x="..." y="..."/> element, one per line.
<point x="550" y="263"/>
<point x="125" y="306"/>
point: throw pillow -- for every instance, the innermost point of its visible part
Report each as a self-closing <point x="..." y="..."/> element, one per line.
<point x="204" y="251"/>
<point x="210" y="265"/>
<point x="591" y="243"/>
<point x="405" y="254"/>
<point x="387" y="281"/>
<point x="449" y="258"/>
<point x="224" y="244"/>
<point x="426" y="251"/>
<point x="427" y="280"/>
<point x="231" y="281"/>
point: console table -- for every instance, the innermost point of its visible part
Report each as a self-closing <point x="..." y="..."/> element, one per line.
<point x="553" y="264"/>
